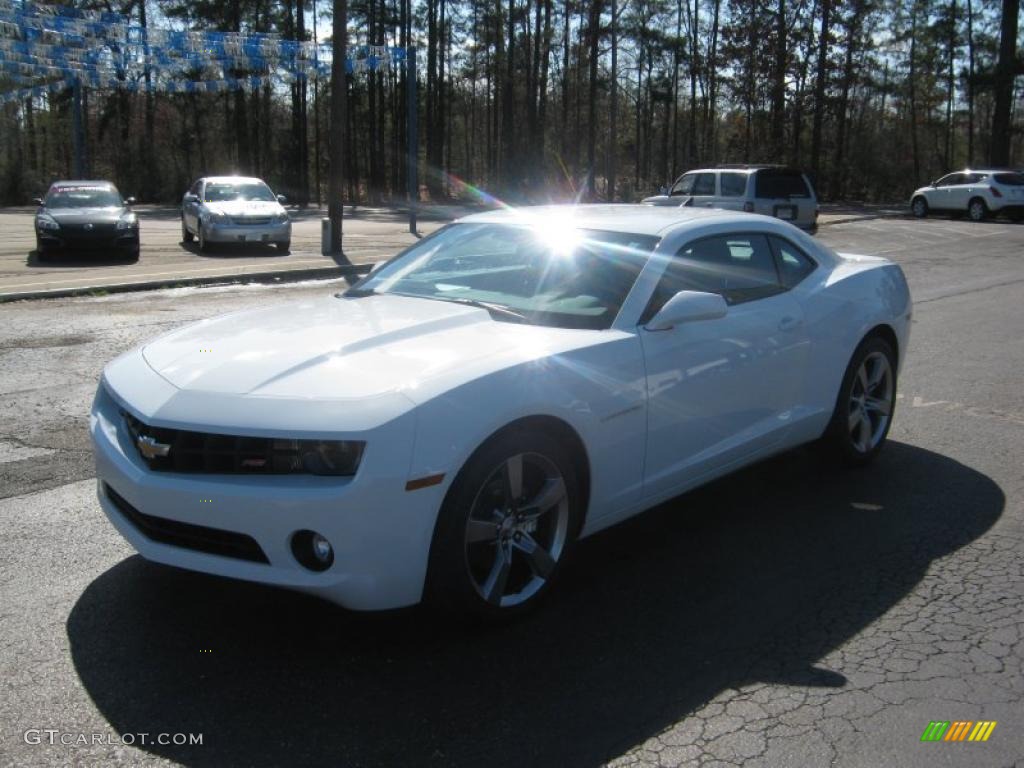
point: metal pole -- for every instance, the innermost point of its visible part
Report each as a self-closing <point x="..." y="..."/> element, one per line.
<point x="77" y="129"/>
<point x="413" y="191"/>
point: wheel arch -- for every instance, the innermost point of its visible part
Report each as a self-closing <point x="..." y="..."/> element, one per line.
<point x="887" y="333"/>
<point x="554" y="427"/>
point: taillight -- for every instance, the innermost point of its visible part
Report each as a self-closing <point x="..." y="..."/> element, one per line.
<point x="748" y="207"/>
<point x="996" y="192"/>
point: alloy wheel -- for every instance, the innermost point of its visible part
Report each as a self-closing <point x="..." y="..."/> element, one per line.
<point x="517" y="529"/>
<point x="976" y="210"/>
<point x="870" y="406"/>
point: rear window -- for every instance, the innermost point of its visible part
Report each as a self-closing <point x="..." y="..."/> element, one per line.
<point x="1009" y="179"/>
<point x="773" y="184"/>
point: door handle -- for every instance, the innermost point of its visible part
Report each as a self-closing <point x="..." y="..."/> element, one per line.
<point x="788" y="323"/>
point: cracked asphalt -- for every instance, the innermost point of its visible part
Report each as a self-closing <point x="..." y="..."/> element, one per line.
<point x="794" y="614"/>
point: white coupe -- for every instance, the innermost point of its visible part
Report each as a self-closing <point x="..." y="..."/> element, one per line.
<point x="450" y="426"/>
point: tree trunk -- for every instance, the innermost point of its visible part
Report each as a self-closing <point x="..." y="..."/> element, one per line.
<point x="1006" y="69"/>
<point x="335" y="182"/>
<point x="595" y="38"/>
<point x="819" y="92"/>
<point x="613" y="126"/>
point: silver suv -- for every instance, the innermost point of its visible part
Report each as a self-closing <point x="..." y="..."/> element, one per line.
<point x="772" y="190"/>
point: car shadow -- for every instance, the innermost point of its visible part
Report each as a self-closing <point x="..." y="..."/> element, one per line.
<point x="230" y="250"/>
<point x="754" y="578"/>
<point x="77" y="259"/>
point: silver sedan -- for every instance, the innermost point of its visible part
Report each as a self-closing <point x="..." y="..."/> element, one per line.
<point x="234" y="209"/>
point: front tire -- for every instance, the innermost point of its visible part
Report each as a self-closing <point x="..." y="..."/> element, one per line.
<point x="284" y="247"/>
<point x="507" y="525"/>
<point x="186" y="235"/>
<point x="977" y="210"/>
<point x="867" y="398"/>
<point x="204" y="245"/>
<point x="919" y="207"/>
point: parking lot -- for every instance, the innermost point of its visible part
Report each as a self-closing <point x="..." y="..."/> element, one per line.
<point x="369" y="235"/>
<point x="792" y="615"/>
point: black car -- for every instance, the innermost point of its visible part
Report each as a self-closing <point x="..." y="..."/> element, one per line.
<point x="86" y="216"/>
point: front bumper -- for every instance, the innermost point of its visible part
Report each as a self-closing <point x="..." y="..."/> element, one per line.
<point x="248" y="233"/>
<point x="380" y="533"/>
<point x="63" y="240"/>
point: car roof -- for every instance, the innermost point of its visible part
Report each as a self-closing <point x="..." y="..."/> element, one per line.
<point x="233" y="179"/>
<point x="636" y="219"/>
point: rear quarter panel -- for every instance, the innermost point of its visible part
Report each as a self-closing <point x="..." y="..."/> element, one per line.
<point x="841" y="308"/>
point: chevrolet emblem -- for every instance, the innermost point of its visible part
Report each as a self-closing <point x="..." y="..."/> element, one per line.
<point x="150" y="448"/>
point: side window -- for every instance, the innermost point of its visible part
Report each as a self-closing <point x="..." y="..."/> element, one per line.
<point x="951" y="179"/>
<point x="774" y="184"/>
<point x="794" y="265"/>
<point x="974" y="178"/>
<point x="738" y="267"/>
<point x="733" y="184"/>
<point x="705" y="184"/>
<point x="685" y="185"/>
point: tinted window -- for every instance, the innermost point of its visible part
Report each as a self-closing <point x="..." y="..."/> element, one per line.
<point x="737" y="267"/>
<point x="705" y="184"/>
<point x="794" y="265"/>
<point x="1009" y="179"/>
<point x="974" y="178"/>
<point x="953" y="178"/>
<point x="733" y="184"/>
<point x="773" y="184"/>
<point x="685" y="185"/>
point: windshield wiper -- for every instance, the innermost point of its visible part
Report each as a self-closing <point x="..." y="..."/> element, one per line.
<point x="356" y="293"/>
<point x="494" y="309"/>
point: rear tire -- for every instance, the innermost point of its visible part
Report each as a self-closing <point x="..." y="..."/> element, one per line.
<point x="977" y="210"/>
<point x="506" y="527"/>
<point x="919" y="207"/>
<point x="865" y="405"/>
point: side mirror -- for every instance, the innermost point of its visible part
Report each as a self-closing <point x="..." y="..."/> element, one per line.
<point x="190" y="198"/>
<point x="129" y="201"/>
<point x="662" y="190"/>
<point x="688" y="307"/>
<point x="282" y="199"/>
<point x="37" y="200"/>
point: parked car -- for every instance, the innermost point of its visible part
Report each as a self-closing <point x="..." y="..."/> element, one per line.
<point x="772" y="190"/>
<point x="86" y="216"/>
<point x="451" y="425"/>
<point x="234" y="209"/>
<point x="978" y="193"/>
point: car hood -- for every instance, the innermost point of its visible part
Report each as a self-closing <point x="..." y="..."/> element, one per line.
<point x="245" y="207"/>
<point x="347" y="348"/>
<point x="85" y="215"/>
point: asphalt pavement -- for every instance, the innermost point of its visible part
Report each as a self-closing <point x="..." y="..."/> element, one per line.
<point x="794" y="614"/>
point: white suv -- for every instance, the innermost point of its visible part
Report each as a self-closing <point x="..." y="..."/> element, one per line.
<point x="978" y="193"/>
<point x="772" y="190"/>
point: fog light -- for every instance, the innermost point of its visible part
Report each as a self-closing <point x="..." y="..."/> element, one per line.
<point x="312" y="550"/>
<point x="322" y="549"/>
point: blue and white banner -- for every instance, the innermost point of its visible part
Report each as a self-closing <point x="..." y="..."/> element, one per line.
<point x="103" y="49"/>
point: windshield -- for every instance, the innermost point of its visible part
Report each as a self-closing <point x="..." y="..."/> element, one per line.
<point x="219" y="192"/>
<point x="560" y="277"/>
<point x="83" y="197"/>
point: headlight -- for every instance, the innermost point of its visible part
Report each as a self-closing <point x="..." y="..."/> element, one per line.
<point x="279" y="218"/>
<point x="44" y="221"/>
<point x="318" y="457"/>
<point x="127" y="221"/>
<point x="219" y="218"/>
